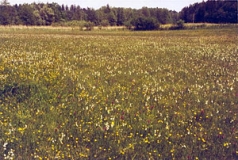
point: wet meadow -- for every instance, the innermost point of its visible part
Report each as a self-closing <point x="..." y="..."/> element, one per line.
<point x="70" y="94"/>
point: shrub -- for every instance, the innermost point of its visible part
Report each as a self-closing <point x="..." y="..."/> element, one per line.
<point x="144" y="23"/>
<point x="180" y="24"/>
<point x="105" y="23"/>
<point x="128" y="25"/>
<point x="89" y="26"/>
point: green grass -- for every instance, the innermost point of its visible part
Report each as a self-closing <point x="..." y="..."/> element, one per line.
<point x="68" y="94"/>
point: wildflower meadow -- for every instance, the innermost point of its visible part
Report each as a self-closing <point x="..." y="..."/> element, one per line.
<point x="70" y="94"/>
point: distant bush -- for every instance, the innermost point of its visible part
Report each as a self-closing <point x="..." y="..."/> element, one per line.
<point x="105" y="23"/>
<point x="89" y="26"/>
<point x="128" y="24"/>
<point x="179" y="25"/>
<point x="144" y="23"/>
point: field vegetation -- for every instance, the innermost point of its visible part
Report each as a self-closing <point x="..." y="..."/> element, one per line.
<point x="70" y="94"/>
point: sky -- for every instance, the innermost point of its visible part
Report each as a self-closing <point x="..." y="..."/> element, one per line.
<point x="176" y="5"/>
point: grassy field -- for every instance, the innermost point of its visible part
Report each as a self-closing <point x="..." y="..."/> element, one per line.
<point x="69" y="94"/>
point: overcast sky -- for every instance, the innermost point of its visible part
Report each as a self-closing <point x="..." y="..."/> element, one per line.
<point x="176" y="5"/>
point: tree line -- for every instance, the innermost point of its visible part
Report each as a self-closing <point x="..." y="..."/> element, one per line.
<point x="219" y="11"/>
<point x="211" y="11"/>
<point x="46" y="14"/>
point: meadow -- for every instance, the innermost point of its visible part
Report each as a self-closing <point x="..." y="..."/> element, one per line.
<point x="70" y="94"/>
